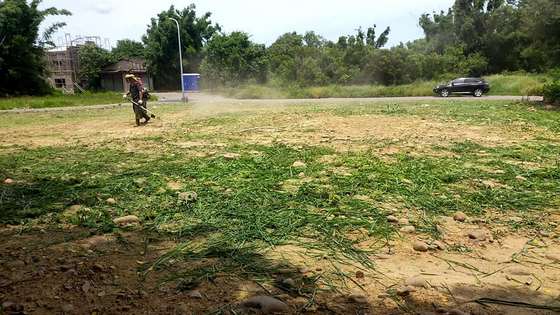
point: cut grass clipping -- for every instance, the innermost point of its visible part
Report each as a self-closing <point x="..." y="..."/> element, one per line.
<point x="248" y="205"/>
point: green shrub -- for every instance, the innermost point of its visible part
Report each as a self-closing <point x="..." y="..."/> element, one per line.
<point x="551" y="92"/>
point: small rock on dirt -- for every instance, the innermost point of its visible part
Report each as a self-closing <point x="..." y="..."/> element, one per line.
<point x="358" y="298"/>
<point x="289" y="282"/>
<point x="405" y="290"/>
<point x="360" y="275"/>
<point x="299" y="164"/>
<point x="127" y="220"/>
<point x="8" y="181"/>
<point x="409" y="229"/>
<point x="188" y="197"/>
<point x="417" y="282"/>
<point x="460" y="216"/>
<point x="479" y="235"/>
<point x="266" y="304"/>
<point x="195" y="294"/>
<point x="111" y="201"/>
<point x="67" y="308"/>
<point x="420" y="246"/>
<point x="404" y="222"/>
<point x="553" y="256"/>
<point x="440" y="245"/>
<point x="392" y="219"/>
<point x="519" y="271"/>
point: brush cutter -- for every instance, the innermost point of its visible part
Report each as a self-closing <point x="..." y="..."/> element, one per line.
<point x="142" y="108"/>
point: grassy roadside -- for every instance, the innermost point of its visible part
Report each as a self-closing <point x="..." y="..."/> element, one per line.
<point x="84" y="99"/>
<point x="502" y="84"/>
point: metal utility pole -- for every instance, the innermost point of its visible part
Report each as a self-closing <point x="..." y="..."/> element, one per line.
<point x="180" y="58"/>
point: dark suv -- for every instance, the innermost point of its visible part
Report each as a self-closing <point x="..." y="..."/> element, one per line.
<point x="474" y="86"/>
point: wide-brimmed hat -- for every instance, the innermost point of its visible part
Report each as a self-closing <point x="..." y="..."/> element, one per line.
<point x="130" y="76"/>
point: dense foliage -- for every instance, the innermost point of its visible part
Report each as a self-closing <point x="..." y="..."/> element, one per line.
<point x="22" y="63"/>
<point x="127" y="49"/>
<point x="162" y="44"/>
<point x="234" y="58"/>
<point x="92" y="60"/>
<point x="473" y="38"/>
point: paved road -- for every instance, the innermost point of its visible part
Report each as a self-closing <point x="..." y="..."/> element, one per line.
<point x="200" y="98"/>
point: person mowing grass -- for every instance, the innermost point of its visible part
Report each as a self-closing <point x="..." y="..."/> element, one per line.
<point x="139" y="98"/>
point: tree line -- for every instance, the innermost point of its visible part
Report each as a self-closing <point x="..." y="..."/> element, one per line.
<point x="473" y="37"/>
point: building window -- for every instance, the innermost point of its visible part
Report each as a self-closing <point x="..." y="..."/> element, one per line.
<point x="60" y="83"/>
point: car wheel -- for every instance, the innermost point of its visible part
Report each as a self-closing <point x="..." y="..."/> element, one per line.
<point x="444" y="93"/>
<point x="478" y="93"/>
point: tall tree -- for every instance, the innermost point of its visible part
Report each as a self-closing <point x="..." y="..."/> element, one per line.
<point x="233" y="60"/>
<point x="92" y="60"/>
<point x="23" y="69"/>
<point x="162" y="44"/>
<point x="127" y="49"/>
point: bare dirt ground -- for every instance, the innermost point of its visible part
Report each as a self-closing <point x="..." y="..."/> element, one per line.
<point x="72" y="270"/>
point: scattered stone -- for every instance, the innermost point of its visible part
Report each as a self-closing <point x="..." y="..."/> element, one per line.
<point x="195" y="294"/>
<point x="404" y="222"/>
<point x="299" y="164"/>
<point x="111" y="201"/>
<point x="86" y="286"/>
<point x="67" y="308"/>
<point x="8" y="181"/>
<point x="519" y="271"/>
<point x="440" y="245"/>
<point x="188" y="197"/>
<point x="420" y="246"/>
<point x="405" y="290"/>
<point x="460" y="216"/>
<point x="392" y="219"/>
<point x="303" y="270"/>
<point x="301" y="175"/>
<point x="417" y="282"/>
<point x="360" y="275"/>
<point x="299" y="302"/>
<point x="553" y="256"/>
<point x="479" y="235"/>
<point x="409" y="229"/>
<point x="358" y="298"/>
<point x="231" y="156"/>
<point x="266" y="304"/>
<point x="289" y="282"/>
<point x="127" y="220"/>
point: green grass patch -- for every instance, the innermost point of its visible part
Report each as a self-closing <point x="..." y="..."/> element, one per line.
<point x="82" y="99"/>
<point x="243" y="207"/>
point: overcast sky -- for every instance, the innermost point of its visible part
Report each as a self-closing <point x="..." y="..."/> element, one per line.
<point x="265" y="20"/>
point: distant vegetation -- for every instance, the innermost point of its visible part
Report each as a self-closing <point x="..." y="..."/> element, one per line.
<point x="60" y="100"/>
<point x="503" y="84"/>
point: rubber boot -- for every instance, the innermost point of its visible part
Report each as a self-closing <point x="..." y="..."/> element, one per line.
<point x="137" y="122"/>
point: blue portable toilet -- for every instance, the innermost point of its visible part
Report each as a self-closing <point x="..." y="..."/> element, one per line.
<point x="190" y="81"/>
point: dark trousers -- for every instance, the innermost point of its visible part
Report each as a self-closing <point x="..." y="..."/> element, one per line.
<point x="139" y="112"/>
